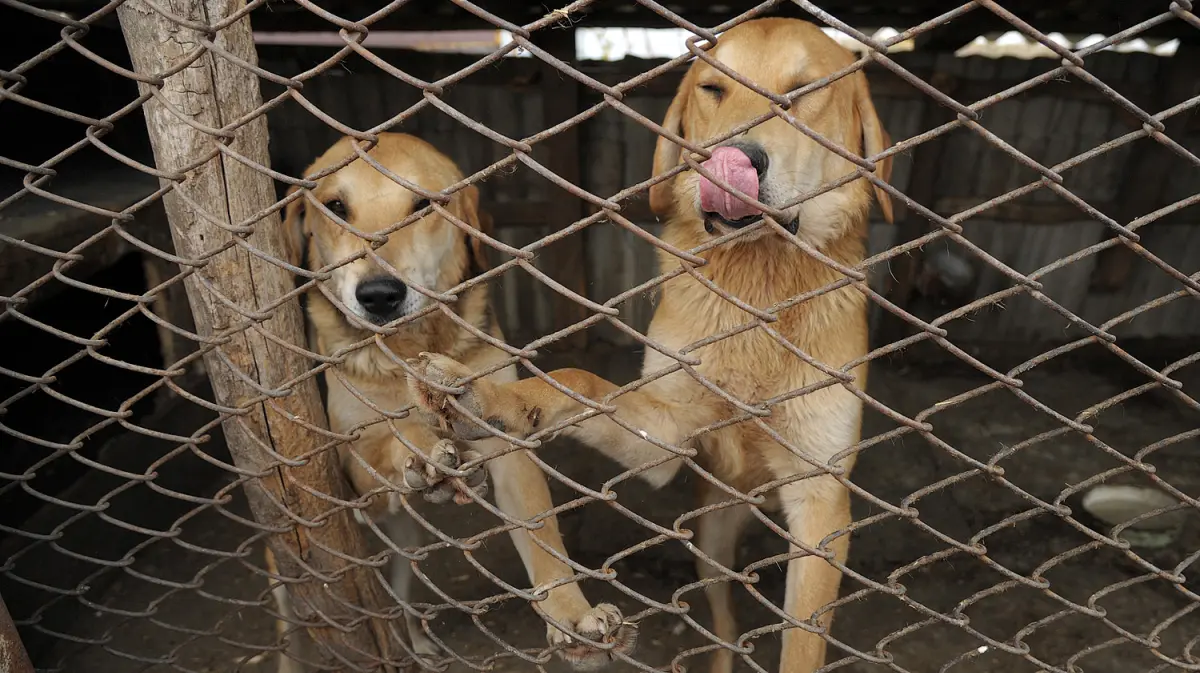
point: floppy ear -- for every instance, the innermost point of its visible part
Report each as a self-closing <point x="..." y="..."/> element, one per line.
<point x="667" y="153"/>
<point x="293" y="229"/>
<point x="875" y="140"/>
<point x="468" y="199"/>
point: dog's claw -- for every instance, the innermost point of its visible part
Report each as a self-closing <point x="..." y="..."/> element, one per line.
<point x="438" y="487"/>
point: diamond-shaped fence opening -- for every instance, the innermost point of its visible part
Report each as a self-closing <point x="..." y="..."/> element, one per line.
<point x="270" y="274"/>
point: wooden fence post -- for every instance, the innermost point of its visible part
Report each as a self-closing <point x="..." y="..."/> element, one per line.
<point x="13" y="658"/>
<point x="341" y="602"/>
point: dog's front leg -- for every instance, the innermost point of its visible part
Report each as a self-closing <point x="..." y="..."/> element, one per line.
<point x="523" y="493"/>
<point x="520" y="409"/>
<point x="659" y="413"/>
<point x="815" y="508"/>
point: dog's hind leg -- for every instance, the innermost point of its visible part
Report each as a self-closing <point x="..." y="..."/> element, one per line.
<point x="404" y="532"/>
<point x="717" y="535"/>
<point x="299" y="644"/>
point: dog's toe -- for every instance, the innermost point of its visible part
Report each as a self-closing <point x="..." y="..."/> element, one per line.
<point x="435" y="484"/>
<point x="423" y="381"/>
<point x="602" y="624"/>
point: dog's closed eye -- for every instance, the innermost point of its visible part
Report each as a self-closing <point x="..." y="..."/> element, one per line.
<point x="715" y="90"/>
<point x="336" y="207"/>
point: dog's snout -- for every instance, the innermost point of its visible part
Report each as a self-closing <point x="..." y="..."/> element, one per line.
<point x="758" y="159"/>
<point x="382" y="298"/>
<point x="757" y="156"/>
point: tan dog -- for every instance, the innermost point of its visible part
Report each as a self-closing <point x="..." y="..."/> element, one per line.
<point x="775" y="164"/>
<point x="433" y="254"/>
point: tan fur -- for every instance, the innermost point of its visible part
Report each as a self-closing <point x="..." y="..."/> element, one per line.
<point x="761" y="270"/>
<point x="433" y="253"/>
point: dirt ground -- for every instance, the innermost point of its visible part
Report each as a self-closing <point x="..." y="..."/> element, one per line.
<point x="196" y="628"/>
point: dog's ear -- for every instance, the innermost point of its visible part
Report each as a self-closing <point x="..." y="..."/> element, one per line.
<point x="875" y="140"/>
<point x="666" y="152"/>
<point x="470" y="213"/>
<point x="294" y="235"/>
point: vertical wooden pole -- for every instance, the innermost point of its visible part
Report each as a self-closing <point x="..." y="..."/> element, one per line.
<point x="339" y="600"/>
<point x="13" y="658"/>
<point x="568" y="262"/>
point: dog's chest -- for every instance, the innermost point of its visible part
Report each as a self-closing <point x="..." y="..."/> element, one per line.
<point x="746" y="361"/>
<point x="348" y="410"/>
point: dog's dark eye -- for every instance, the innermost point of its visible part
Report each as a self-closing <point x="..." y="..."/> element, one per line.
<point x="714" y="90"/>
<point x="337" y="208"/>
<point x="420" y="205"/>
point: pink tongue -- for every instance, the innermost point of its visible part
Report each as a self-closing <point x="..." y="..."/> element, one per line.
<point x="733" y="167"/>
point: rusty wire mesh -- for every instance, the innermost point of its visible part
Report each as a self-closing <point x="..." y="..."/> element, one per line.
<point x="211" y="578"/>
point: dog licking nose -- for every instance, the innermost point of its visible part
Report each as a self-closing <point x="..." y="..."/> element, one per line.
<point x="381" y="298"/>
<point x="734" y="167"/>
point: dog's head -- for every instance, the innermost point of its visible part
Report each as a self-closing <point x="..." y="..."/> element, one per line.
<point x="431" y="253"/>
<point x="772" y="162"/>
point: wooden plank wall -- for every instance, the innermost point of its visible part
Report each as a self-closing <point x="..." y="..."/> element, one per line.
<point x="1051" y="123"/>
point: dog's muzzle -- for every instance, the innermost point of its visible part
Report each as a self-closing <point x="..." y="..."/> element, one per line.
<point x="711" y="220"/>
<point x="740" y="165"/>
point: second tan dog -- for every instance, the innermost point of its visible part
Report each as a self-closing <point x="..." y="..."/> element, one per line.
<point x="430" y="255"/>
<point x="795" y="454"/>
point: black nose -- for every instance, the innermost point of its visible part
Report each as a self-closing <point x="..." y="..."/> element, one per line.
<point x="757" y="155"/>
<point x="381" y="297"/>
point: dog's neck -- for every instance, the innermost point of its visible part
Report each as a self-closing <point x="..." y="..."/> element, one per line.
<point x="768" y="269"/>
<point x="813" y="312"/>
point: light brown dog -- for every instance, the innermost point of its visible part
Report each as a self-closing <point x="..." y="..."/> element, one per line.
<point x="430" y="255"/>
<point x="813" y="419"/>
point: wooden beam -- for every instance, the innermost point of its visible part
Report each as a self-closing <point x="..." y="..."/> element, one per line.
<point x="950" y="36"/>
<point x="519" y="72"/>
<point x="1100" y="17"/>
<point x="423" y="65"/>
<point x="885" y="84"/>
<point x="37" y="221"/>
<point x="566" y="261"/>
<point x="44" y="223"/>
<point x="282" y="437"/>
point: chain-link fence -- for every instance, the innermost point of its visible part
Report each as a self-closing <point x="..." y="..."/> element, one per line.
<point x="214" y="461"/>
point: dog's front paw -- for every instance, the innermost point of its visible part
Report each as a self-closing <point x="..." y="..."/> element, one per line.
<point x="601" y="624"/>
<point x="437" y="486"/>
<point x="434" y="371"/>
